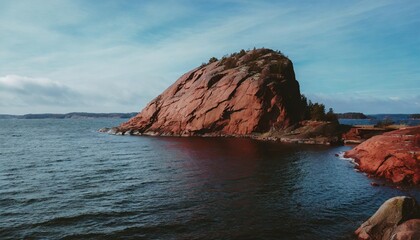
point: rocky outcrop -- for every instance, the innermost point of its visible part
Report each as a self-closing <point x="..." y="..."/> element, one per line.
<point x="359" y="134"/>
<point x="113" y="130"/>
<point x="307" y="132"/>
<point x="248" y="92"/>
<point x="397" y="218"/>
<point x="409" y="230"/>
<point x="393" y="155"/>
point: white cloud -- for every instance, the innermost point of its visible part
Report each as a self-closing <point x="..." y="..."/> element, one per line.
<point x="21" y="94"/>
<point x="19" y="90"/>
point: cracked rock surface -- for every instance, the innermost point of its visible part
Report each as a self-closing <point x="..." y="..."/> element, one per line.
<point x="247" y="92"/>
<point x="393" y="155"/>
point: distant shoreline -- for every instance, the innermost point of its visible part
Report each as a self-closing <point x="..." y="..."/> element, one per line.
<point x="72" y="115"/>
<point x="87" y="115"/>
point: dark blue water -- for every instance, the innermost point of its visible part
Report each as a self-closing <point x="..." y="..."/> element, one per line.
<point x="60" y="179"/>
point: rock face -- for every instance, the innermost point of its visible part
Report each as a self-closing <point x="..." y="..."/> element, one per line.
<point x="393" y="155"/>
<point x="392" y="221"/>
<point x="409" y="230"/>
<point x="248" y="92"/>
<point x="358" y="134"/>
<point x="113" y="130"/>
<point x="307" y="132"/>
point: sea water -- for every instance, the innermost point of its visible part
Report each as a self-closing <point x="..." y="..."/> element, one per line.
<point x="61" y="179"/>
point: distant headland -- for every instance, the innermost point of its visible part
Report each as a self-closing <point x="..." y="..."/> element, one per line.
<point x="352" y="115"/>
<point x="72" y="115"/>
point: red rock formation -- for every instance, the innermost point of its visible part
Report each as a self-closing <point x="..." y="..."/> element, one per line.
<point x="358" y="134"/>
<point x="247" y="92"/>
<point x="393" y="155"/>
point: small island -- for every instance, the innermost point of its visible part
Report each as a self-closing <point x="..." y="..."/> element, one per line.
<point x="250" y="93"/>
<point x="352" y="115"/>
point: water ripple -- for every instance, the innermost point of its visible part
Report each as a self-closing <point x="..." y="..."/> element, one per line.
<point x="60" y="179"/>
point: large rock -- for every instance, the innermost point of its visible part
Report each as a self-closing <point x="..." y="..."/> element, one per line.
<point x="409" y="230"/>
<point x="113" y="130"/>
<point x="358" y="134"/>
<point x="394" y="155"/>
<point x="389" y="220"/>
<point x="247" y="92"/>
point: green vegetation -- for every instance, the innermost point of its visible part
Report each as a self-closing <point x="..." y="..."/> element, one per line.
<point x="415" y="116"/>
<point x="230" y="62"/>
<point x="316" y="111"/>
<point x="248" y="57"/>
<point x="253" y="67"/>
<point x="212" y="60"/>
<point x="384" y="123"/>
<point x="241" y="53"/>
<point x="352" y="115"/>
<point x="330" y="116"/>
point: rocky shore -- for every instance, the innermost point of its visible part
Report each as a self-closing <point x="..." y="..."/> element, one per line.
<point x="359" y="134"/>
<point x="305" y="132"/>
<point x="255" y="94"/>
<point x="393" y="155"/>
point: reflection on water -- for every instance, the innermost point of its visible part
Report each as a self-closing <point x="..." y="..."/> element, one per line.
<point x="62" y="179"/>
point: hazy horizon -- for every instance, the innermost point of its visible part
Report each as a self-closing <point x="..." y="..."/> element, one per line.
<point x="80" y="56"/>
<point x="368" y="114"/>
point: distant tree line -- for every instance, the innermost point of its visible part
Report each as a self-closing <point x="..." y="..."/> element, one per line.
<point x="415" y="116"/>
<point x="316" y="111"/>
<point x="351" y="115"/>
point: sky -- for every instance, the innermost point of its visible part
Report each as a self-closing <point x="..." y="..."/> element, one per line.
<point x="60" y="56"/>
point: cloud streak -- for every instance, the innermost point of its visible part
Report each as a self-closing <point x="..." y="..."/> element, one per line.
<point x="18" y="91"/>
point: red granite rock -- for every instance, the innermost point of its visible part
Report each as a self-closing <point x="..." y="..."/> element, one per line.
<point x="248" y="92"/>
<point x="358" y="134"/>
<point x="393" y="155"/>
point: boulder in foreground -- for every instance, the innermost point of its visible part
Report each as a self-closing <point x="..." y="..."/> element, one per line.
<point x="392" y="221"/>
<point x="409" y="230"/>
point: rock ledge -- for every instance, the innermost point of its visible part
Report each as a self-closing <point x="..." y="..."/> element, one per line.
<point x="393" y="155"/>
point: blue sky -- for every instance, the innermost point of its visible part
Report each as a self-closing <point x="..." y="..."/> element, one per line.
<point x="115" y="56"/>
